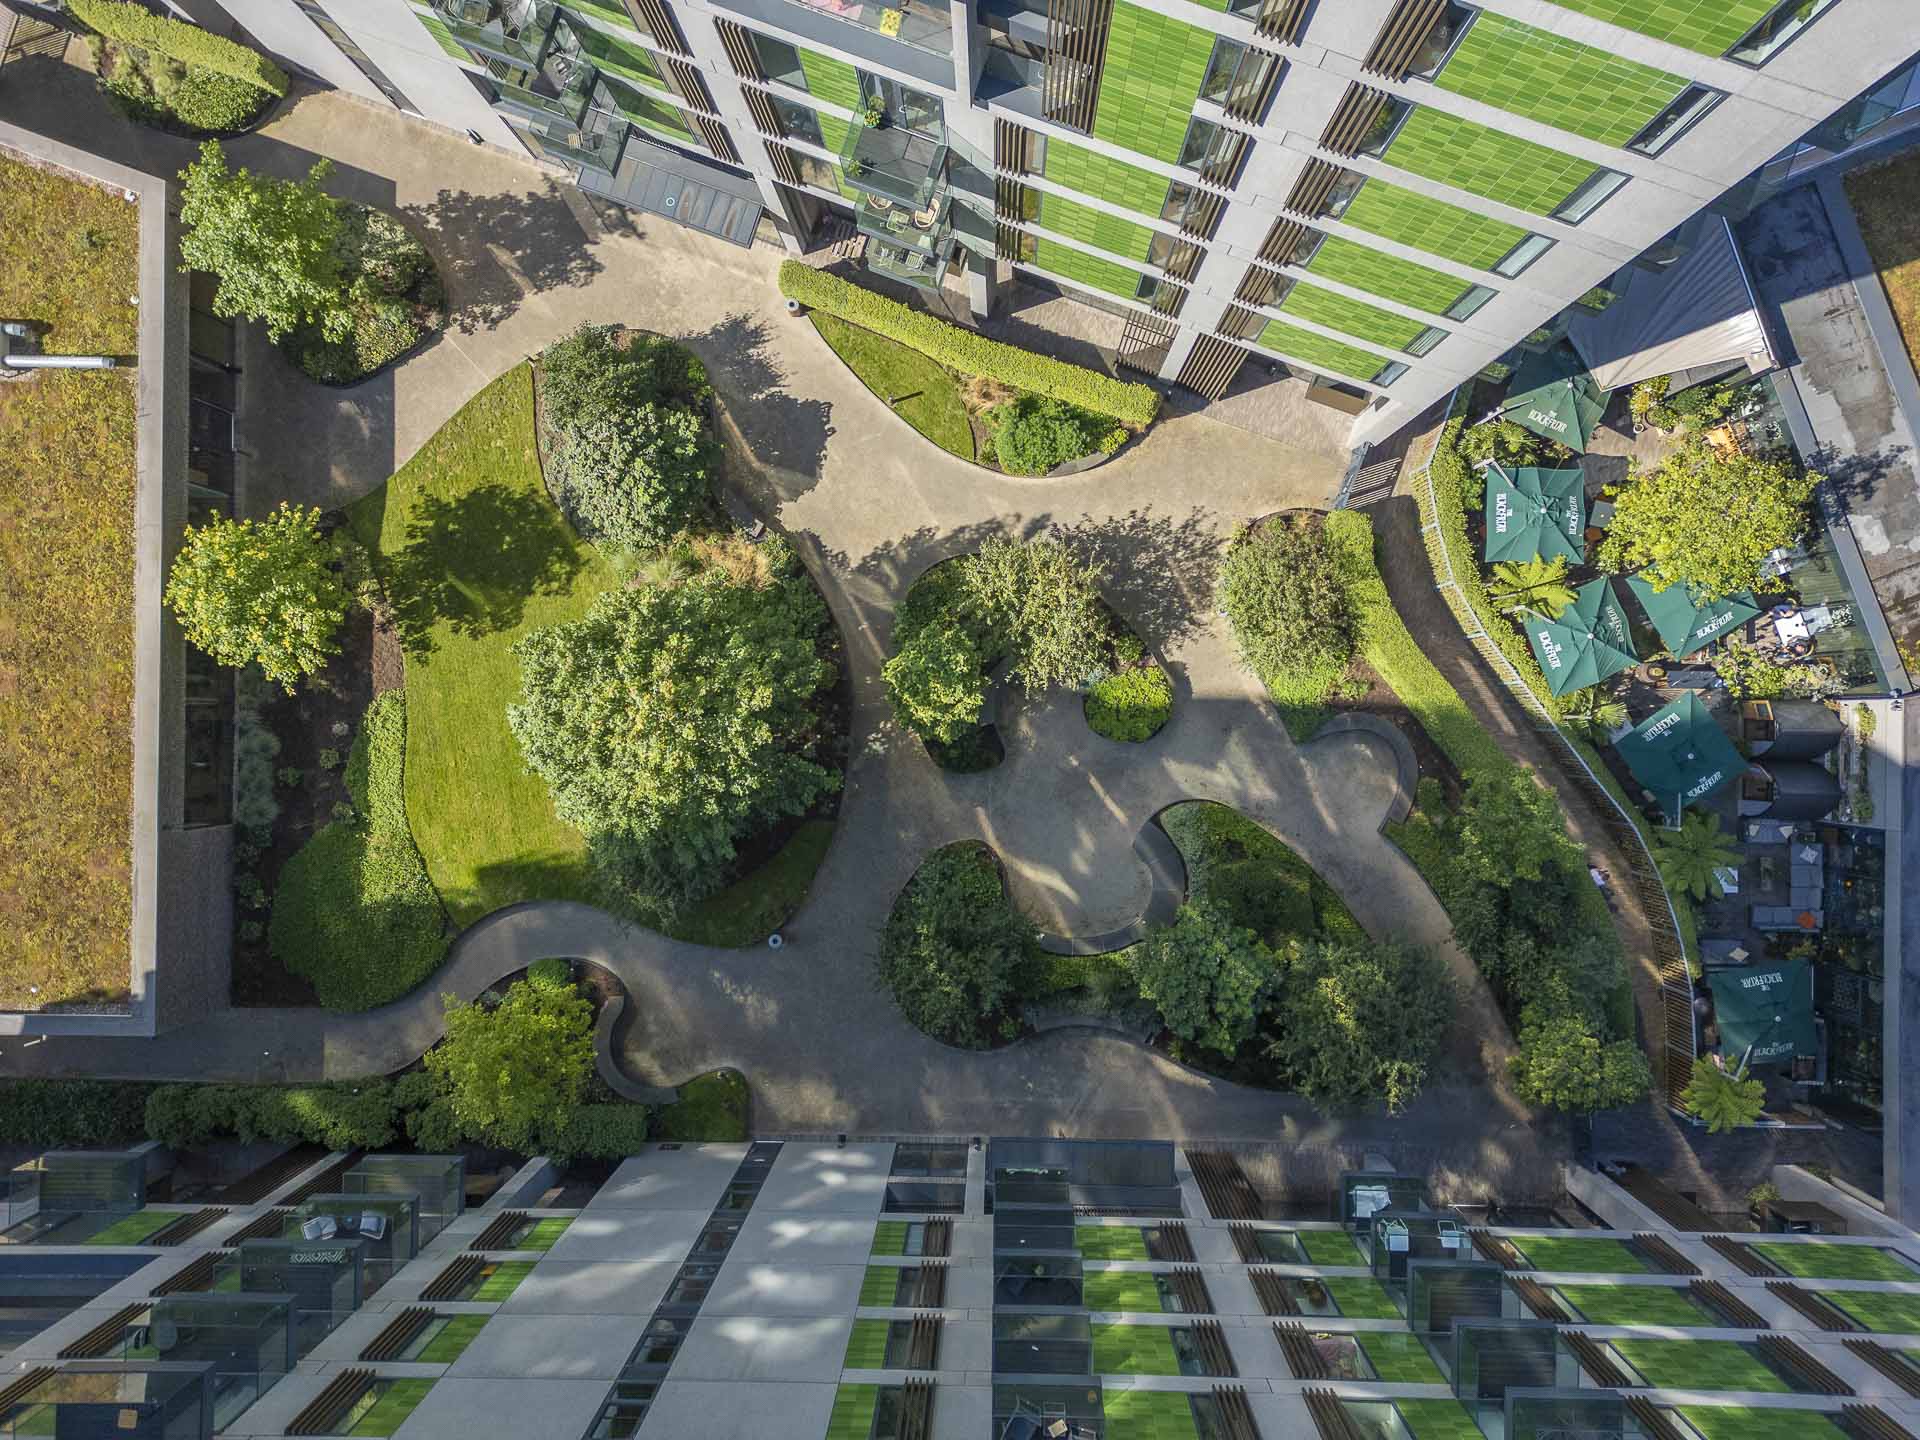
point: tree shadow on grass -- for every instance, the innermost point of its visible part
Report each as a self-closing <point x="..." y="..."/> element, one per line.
<point x="472" y="562"/>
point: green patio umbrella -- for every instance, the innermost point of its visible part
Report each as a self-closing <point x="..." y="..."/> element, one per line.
<point x="1684" y="622"/>
<point x="1553" y="395"/>
<point x="1586" y="644"/>
<point x="1681" y="754"/>
<point x="1536" y="513"/>
<point x="1768" y="1007"/>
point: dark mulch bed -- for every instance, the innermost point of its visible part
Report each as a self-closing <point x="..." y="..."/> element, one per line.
<point x="1380" y="700"/>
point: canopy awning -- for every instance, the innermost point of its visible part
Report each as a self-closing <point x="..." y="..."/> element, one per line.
<point x="1802" y="790"/>
<point x="1684" y="622"/>
<point x="1552" y="395"/>
<point x="1586" y="644"/>
<point x="1534" y="513"/>
<point x="1699" y="313"/>
<point x="1768" y="1007"/>
<point x="1680" y="754"/>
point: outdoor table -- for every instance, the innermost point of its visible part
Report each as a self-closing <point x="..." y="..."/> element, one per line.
<point x="1768" y="832"/>
<point x="1807" y="855"/>
<point x="1790" y="630"/>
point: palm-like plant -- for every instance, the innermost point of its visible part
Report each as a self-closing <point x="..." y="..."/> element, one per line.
<point x="1687" y="857"/>
<point x="1723" y="1099"/>
<point x="1539" y="585"/>
<point x="1592" y="713"/>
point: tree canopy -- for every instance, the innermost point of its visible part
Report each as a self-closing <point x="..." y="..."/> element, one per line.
<point x="1562" y="1064"/>
<point x="952" y="948"/>
<point x="1038" y="598"/>
<point x="1206" y="975"/>
<point x="1360" y="1020"/>
<point x="1687" y="857"/>
<point x="517" y="1070"/>
<point x="634" y="477"/>
<point x="1724" y="1100"/>
<point x="1281" y="587"/>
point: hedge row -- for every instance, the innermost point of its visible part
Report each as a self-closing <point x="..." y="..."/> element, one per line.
<point x="189" y="44"/>
<point x="363" y="1114"/>
<point x="56" y="1113"/>
<point x="967" y="352"/>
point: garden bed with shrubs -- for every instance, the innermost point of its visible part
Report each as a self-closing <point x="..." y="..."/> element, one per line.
<point x="164" y="72"/>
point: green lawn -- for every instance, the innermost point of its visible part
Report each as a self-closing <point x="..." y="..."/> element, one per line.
<point x="1134" y="1350"/>
<point x="543" y="1233"/>
<point x="1110" y="1242"/>
<point x="505" y="1279"/>
<point x="1438" y="1420"/>
<point x="1634" y="1305"/>
<point x="756" y="905"/>
<point x="1575" y="1255"/>
<point x="1700" y="1365"/>
<point x="1819" y="1260"/>
<point x="1120" y="1290"/>
<point x="1888" y="1314"/>
<point x="1329" y="1247"/>
<point x="711" y="1107"/>
<point x="922" y="391"/>
<point x="452" y="1341"/>
<point x="1147" y="1415"/>
<point x="393" y="1402"/>
<point x="1750" y="1422"/>
<point x="1362" y="1298"/>
<point x="1399" y="1359"/>
<point x="135" y="1228"/>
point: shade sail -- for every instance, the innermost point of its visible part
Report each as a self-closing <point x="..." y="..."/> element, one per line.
<point x="1534" y="513"/>
<point x="1769" y="1007"/>
<point x="1552" y="395"/>
<point x="1699" y="313"/>
<point x="1681" y="754"/>
<point x="1586" y="644"/>
<point x="1684" y="622"/>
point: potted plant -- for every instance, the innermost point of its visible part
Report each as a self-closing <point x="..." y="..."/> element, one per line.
<point x="875" y="116"/>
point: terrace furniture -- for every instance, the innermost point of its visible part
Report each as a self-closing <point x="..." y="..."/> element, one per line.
<point x="319" y="1227"/>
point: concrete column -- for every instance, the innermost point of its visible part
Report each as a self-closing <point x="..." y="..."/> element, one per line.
<point x="710" y="57"/>
<point x="983" y="285"/>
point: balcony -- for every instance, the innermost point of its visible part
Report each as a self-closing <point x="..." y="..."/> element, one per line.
<point x="910" y="267"/>
<point x="895" y="163"/>
<point x="593" y="147"/>
<point x="515" y="30"/>
<point x="923" y="24"/>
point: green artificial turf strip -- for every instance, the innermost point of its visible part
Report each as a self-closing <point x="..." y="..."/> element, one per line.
<point x="1607" y="1257"/>
<point x="1634" y="1305"/>
<point x="866" y="1346"/>
<point x="1878" y="1310"/>
<point x="853" y="1407"/>
<point x="1700" y="1365"/>
<point x="1399" y="1359"/>
<point x="504" y="1280"/>
<point x="452" y="1341"/>
<point x="543" y="1233"/>
<point x="1362" y="1298"/>
<point x="1330" y="1247"/>
<point x="889" y="1238"/>
<point x="1120" y="1290"/>
<point x="1817" y="1260"/>
<point x="1751" y="1422"/>
<point x="879" y="1285"/>
<point x="1134" y="1350"/>
<point x="1708" y="26"/>
<point x="757" y="904"/>
<point x="711" y="1107"/>
<point x="923" y="392"/>
<point x="1110" y="1242"/>
<point x="135" y="1228"/>
<point x="1438" y="1420"/>
<point x="394" y="1404"/>
<point x="1147" y="1415"/>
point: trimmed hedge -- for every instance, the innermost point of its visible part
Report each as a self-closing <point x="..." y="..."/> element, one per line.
<point x="355" y="1113"/>
<point x="971" y="354"/>
<point x="189" y="44"/>
<point x="600" y="1132"/>
<point x="72" y="1113"/>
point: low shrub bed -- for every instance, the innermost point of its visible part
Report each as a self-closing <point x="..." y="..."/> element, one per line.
<point x="954" y="951"/>
<point x="72" y="1113"/>
<point x="1132" y="703"/>
<point x="1034" y="435"/>
<point x="165" y="72"/>
<point x="395" y="294"/>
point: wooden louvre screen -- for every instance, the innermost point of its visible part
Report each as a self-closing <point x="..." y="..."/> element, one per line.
<point x="760" y="108"/>
<point x="1012" y="147"/>
<point x="388" y="1344"/>
<point x="1239" y="323"/>
<point x="923" y="1343"/>
<point x="1401" y="36"/>
<point x="1727" y="1305"/>
<point x="1809" y="1306"/>
<point x="1184" y="262"/>
<point x="1653" y="1247"/>
<point x="692" y="88"/>
<point x="1211" y="1341"/>
<point x="1006" y="242"/>
<point x="1009" y="198"/>
<point x="196" y="1274"/>
<point x="1283" y="239"/>
<point x="1535" y="1297"/>
<point x="448" y="1283"/>
<point x="1246" y="1244"/>
<point x="1870" y="1422"/>
<point x="785" y="168"/>
<point x="330" y="1406"/>
<point x="1222" y="167"/>
<point x="1492" y="1247"/>
<point x="718" y="141"/>
<point x="255" y="1187"/>
<point x="1352" y="119"/>
<point x="930" y="1287"/>
<point x="1211" y="366"/>
<point x="1677" y="1008"/>
<point x="1599" y="1365"/>
<point x="1252" y="104"/>
<point x="1330" y="1417"/>
<point x="1783" y="1354"/>
<point x="1144" y="346"/>
<point x="22" y="1385"/>
<point x="1076" y="46"/>
<point x="327" y="1182"/>
<point x="1272" y="1292"/>
<point x="740" y="52"/>
<point x="1890" y="1365"/>
<point x="1309" y="194"/>
<point x="1304" y="1362"/>
<point x="1280" y="20"/>
<point x="101" y="1339"/>
<point x="1203" y="215"/>
<point x="269" y="1225"/>
<point x="500" y="1230"/>
<point x="916" y="1410"/>
<point x="188" y="1226"/>
<point x="1652" y="1419"/>
<point x="653" y="17"/>
<point x="1224" y="1185"/>
<point x="1743" y="1259"/>
<point x="937" y="1238"/>
<point x="1170" y="299"/>
<point x="1190" y="1286"/>
<point x="1661" y="1198"/>
<point x="1173" y="1235"/>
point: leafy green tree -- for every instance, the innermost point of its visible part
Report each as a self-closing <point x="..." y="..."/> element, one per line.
<point x="272" y="243"/>
<point x="1040" y="599"/>
<point x="668" y="722"/>
<point x="513" y="1071"/>
<point x="1724" y="1100"/>
<point x="260" y="592"/>
<point x="1206" y="975"/>
<point x="1502" y="441"/>
<point x="633" y="478"/>
<point x="1510" y="827"/>
<point x="1707" y="519"/>
<point x="936" y="682"/>
<point x="1591" y="713"/>
<point x="952" y="948"/>
<point x="1537" y="585"/>
<point x="1687" y="857"/>
<point x="1282" y="589"/>
<point x="1563" y="1065"/>
<point x="1360" y="1020"/>
<point x="596" y="372"/>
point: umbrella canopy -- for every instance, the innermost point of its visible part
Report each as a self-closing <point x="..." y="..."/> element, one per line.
<point x="1769" y="1007"/>
<point x="1553" y="395"/>
<point x="1681" y="755"/>
<point x="1684" y="622"/>
<point x="1535" y="513"/>
<point x="1587" y="643"/>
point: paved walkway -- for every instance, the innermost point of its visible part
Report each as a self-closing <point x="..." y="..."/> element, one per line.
<point x="871" y="506"/>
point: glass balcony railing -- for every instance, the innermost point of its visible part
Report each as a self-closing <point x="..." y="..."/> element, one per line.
<point x="571" y="145"/>
<point x="923" y="24"/>
<point x="514" y="31"/>
<point x="909" y="266"/>
<point x="566" y="106"/>
<point x="926" y="233"/>
<point x="895" y="163"/>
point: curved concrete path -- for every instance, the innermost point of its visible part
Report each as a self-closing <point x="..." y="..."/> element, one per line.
<point x="871" y="506"/>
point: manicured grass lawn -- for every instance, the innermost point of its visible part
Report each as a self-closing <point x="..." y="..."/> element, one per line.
<point x="1634" y="1305"/>
<point x="543" y="1234"/>
<point x="1438" y="1420"/>
<point x="1362" y="1298"/>
<point x="756" y="905"/>
<point x="394" y="1401"/>
<point x="1700" y="1365"/>
<point x="1329" y="1247"/>
<point x="1886" y="202"/>
<point x="504" y="1280"/>
<point x="1110" y="1242"/>
<point x="1147" y="1415"/>
<point x="135" y="1228"/>
<point x="1262" y="883"/>
<point x="452" y="1341"/>
<point x="1552" y="1252"/>
<point x="1750" y="1422"/>
<point x="931" y="402"/>
<point x="1120" y="1290"/>
<point x="1133" y="1350"/>
<point x="1399" y="1359"/>
<point x="1877" y="1310"/>
<point x="711" y="1107"/>
<point x="69" y="257"/>
<point x="1816" y="1260"/>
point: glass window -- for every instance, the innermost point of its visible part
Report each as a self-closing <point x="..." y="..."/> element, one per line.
<point x="1308" y="247"/>
<point x="1227" y="55"/>
<point x="1385" y="126"/>
<point x="1783" y="23"/>
<point x="1389" y="373"/>
<point x="1205" y="143"/>
<point x="1674" y="121"/>
<point x="906" y="107"/>
<point x="779" y="60"/>
<point x="1424" y="342"/>
<point x="350" y="48"/>
<point x="1342" y="193"/>
<point x="948" y="1161"/>
<point x="1470" y="300"/>
<point x="1448" y="31"/>
<point x="1265" y="287"/>
<point x="1589" y="195"/>
<point x="797" y="121"/>
<point x="1523" y="255"/>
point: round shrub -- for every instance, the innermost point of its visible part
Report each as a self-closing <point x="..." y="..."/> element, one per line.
<point x="1284" y="594"/>
<point x="1033" y="435"/>
<point x="208" y="100"/>
<point x="551" y="971"/>
<point x="633" y="478"/>
<point x="1130" y="704"/>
